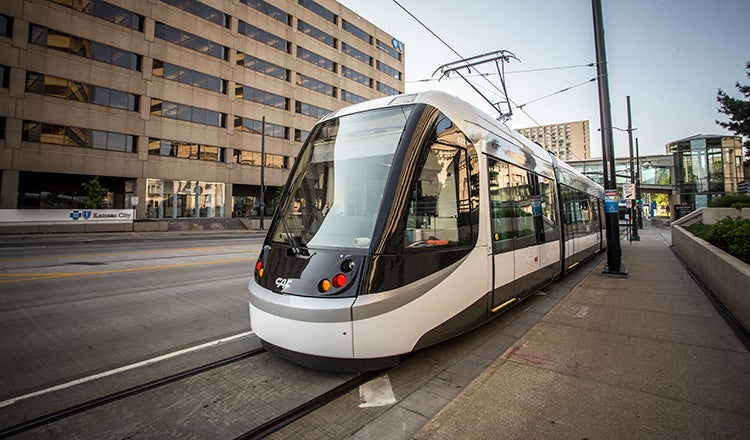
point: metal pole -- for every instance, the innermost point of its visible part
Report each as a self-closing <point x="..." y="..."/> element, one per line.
<point x="614" y="251"/>
<point x="262" y="169"/>
<point x="638" y="185"/>
<point x="633" y="210"/>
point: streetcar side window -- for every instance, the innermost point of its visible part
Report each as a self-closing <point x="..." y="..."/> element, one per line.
<point x="523" y="209"/>
<point x="502" y="210"/>
<point x="444" y="207"/>
<point x="580" y="214"/>
<point x="434" y="207"/>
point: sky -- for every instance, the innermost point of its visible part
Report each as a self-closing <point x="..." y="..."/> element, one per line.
<point x="669" y="56"/>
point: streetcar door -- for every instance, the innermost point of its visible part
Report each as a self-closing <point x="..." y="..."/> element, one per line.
<point x="502" y="221"/>
<point x="529" y="231"/>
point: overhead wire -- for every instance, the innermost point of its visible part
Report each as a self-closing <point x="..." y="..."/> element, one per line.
<point x="494" y="86"/>
<point x="444" y="42"/>
<point x="540" y="69"/>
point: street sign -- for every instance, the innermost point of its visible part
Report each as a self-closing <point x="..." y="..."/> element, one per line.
<point x="610" y="202"/>
<point x="628" y="191"/>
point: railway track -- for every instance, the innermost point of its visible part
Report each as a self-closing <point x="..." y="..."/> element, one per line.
<point x="132" y="391"/>
<point x="260" y="431"/>
<point x="302" y="410"/>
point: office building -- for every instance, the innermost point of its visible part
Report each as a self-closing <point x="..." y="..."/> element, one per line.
<point x="164" y="100"/>
<point x="567" y="140"/>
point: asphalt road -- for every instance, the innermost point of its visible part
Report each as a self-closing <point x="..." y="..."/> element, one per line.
<point x="79" y="306"/>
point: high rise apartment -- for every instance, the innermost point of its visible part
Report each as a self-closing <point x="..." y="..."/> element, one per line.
<point x="567" y="140"/>
<point x="165" y="100"/>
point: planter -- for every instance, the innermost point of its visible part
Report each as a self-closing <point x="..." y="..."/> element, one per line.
<point x="726" y="276"/>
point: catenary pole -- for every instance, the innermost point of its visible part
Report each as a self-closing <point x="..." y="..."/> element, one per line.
<point x="262" y="169"/>
<point x="614" y="251"/>
<point x="633" y="207"/>
<point x="638" y="184"/>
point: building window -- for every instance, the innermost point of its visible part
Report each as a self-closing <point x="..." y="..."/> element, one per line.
<point x="44" y="133"/>
<point x="76" y="91"/>
<point x="243" y="157"/>
<point x="4" y="76"/>
<point x="388" y="90"/>
<point x="315" y="85"/>
<point x="270" y="10"/>
<point x="261" y="97"/>
<point x="390" y="50"/>
<point x="254" y="126"/>
<point x="264" y="37"/>
<point x="357" y="32"/>
<point x="188" y="76"/>
<point x="106" y="11"/>
<point x="356" y="76"/>
<point x="385" y="68"/>
<point x="201" y="10"/>
<point x="356" y="54"/>
<point x="263" y="66"/>
<point x="185" y="150"/>
<point x="318" y="9"/>
<point x="351" y="97"/>
<point x="316" y="33"/>
<point x="301" y="135"/>
<point x="316" y="59"/>
<point x="71" y="44"/>
<point x="310" y="110"/>
<point x="172" y="110"/>
<point x="3" y="121"/>
<point x="191" y="41"/>
<point x="6" y="26"/>
<point x="184" y="198"/>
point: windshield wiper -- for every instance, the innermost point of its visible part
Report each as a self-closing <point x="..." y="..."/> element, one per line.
<point x="295" y="241"/>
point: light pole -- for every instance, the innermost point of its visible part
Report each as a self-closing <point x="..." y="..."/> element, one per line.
<point x="633" y="222"/>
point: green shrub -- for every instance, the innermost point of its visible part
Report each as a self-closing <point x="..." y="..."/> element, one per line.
<point x="731" y="234"/>
<point x="736" y="201"/>
<point x="699" y="230"/>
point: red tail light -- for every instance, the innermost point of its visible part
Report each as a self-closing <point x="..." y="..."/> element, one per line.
<point x="339" y="280"/>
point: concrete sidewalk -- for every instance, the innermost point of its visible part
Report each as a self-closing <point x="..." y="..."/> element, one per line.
<point x="642" y="357"/>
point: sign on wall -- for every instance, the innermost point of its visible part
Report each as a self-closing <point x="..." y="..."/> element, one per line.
<point x="64" y="216"/>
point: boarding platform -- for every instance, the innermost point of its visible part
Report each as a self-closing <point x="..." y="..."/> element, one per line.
<point x="647" y="356"/>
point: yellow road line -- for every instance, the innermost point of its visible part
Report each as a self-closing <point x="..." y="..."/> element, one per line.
<point x="249" y="248"/>
<point x="54" y="275"/>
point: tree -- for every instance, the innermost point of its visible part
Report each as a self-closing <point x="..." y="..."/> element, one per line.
<point x="96" y="193"/>
<point x="738" y="111"/>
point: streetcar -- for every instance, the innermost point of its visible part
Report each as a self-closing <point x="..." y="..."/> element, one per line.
<point x="408" y="220"/>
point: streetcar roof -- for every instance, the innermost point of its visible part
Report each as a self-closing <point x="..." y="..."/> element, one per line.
<point x="489" y="135"/>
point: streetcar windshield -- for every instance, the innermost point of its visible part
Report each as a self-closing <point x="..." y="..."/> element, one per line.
<point x="337" y="189"/>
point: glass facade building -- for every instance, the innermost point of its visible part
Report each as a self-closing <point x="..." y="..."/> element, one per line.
<point x="706" y="167"/>
<point x="695" y="171"/>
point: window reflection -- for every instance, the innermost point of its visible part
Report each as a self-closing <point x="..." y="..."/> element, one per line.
<point x="184" y="198"/>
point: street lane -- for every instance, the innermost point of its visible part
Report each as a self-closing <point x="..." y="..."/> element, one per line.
<point x="70" y="309"/>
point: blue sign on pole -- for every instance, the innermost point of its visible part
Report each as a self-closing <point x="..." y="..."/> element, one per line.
<point x="610" y="202"/>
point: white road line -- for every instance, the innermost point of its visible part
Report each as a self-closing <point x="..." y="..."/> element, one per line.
<point x="124" y="368"/>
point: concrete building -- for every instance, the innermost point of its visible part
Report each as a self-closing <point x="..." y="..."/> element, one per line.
<point x="567" y="140"/>
<point x="165" y="100"/>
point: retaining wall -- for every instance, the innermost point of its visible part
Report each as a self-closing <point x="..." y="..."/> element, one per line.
<point x="728" y="277"/>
